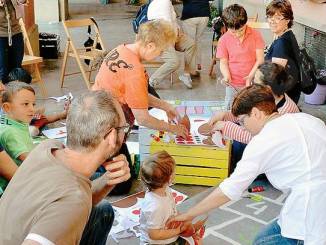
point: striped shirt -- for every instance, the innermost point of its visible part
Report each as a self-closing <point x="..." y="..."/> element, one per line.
<point x="236" y="132"/>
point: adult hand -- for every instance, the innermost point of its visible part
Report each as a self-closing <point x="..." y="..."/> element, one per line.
<point x="117" y="170"/>
<point x="185" y="217"/>
<point x="218" y="126"/>
<point x="180" y="130"/>
<point x="218" y="116"/>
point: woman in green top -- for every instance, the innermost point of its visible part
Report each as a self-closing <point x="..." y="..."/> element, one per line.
<point x="11" y="38"/>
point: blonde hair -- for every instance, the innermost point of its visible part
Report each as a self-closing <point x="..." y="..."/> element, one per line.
<point x="14" y="87"/>
<point x="159" y="32"/>
<point x="157" y="169"/>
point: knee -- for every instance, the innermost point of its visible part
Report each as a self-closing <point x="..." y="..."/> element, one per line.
<point x="174" y="63"/>
<point x="106" y="213"/>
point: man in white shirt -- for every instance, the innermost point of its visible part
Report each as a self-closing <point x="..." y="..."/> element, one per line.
<point x="163" y="9"/>
<point x="291" y="151"/>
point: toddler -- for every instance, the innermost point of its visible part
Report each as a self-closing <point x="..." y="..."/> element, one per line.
<point x="157" y="173"/>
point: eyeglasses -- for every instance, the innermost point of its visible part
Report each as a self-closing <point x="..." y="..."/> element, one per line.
<point x="274" y="19"/>
<point x="124" y="128"/>
<point x="241" y="120"/>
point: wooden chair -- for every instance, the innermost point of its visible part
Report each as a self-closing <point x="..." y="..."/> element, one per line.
<point x="31" y="60"/>
<point x="251" y="22"/>
<point x="89" y="53"/>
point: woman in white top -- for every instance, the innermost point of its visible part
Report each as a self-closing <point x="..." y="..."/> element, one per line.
<point x="291" y="150"/>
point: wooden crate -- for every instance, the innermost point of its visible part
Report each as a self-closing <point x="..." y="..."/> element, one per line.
<point x="196" y="165"/>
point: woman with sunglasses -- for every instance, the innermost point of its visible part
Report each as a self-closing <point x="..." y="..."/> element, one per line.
<point x="279" y="15"/>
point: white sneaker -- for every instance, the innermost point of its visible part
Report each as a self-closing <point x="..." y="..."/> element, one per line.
<point x="186" y="79"/>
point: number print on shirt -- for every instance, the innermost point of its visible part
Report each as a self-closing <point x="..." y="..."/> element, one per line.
<point x="113" y="56"/>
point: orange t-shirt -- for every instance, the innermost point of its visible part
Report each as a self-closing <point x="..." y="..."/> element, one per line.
<point x="124" y="76"/>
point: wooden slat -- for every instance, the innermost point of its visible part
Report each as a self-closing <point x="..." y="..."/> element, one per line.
<point x="203" y="172"/>
<point x="29" y="59"/>
<point x="193" y="180"/>
<point x="258" y="25"/>
<point x="78" y="23"/>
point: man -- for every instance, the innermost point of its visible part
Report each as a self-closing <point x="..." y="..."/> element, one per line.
<point x="163" y="9"/>
<point x="291" y="151"/>
<point x="50" y="200"/>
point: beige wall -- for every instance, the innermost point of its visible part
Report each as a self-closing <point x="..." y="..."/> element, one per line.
<point x="305" y="13"/>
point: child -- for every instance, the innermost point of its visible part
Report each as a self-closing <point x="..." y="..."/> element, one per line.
<point x="40" y="119"/>
<point x="240" y="50"/>
<point x="157" y="173"/>
<point x="18" y="101"/>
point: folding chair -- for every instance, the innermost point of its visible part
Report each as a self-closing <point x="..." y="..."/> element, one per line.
<point x="88" y="53"/>
<point x="251" y="22"/>
<point x="31" y="60"/>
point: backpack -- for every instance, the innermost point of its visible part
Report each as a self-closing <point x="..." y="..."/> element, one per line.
<point x="141" y="16"/>
<point x="307" y="69"/>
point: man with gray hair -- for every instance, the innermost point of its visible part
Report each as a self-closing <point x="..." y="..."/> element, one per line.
<point x="50" y="200"/>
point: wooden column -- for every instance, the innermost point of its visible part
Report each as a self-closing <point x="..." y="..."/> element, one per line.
<point x="31" y="27"/>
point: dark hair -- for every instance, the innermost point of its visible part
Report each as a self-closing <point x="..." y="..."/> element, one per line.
<point x="257" y="95"/>
<point x="19" y="74"/>
<point x="234" y="16"/>
<point x="276" y="76"/>
<point x="283" y="7"/>
<point x="157" y="169"/>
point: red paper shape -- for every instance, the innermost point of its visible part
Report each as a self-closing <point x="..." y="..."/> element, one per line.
<point x="136" y="212"/>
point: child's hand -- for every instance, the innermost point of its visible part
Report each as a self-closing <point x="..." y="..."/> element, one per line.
<point x="218" y="116"/>
<point x="225" y="81"/>
<point x="218" y="126"/>
<point x="248" y="80"/>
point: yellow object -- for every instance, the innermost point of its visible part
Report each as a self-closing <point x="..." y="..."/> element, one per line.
<point x="197" y="165"/>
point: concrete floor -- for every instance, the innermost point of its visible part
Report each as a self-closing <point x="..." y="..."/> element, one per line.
<point x="114" y="22"/>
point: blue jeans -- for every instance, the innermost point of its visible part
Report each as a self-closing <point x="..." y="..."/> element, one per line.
<point x="99" y="224"/>
<point x="271" y="235"/>
<point x="10" y="57"/>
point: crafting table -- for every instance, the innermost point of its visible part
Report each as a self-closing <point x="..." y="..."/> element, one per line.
<point x="195" y="164"/>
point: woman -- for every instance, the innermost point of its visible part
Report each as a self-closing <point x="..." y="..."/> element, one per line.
<point x="11" y="38"/>
<point x="280" y="18"/>
<point x="195" y="16"/>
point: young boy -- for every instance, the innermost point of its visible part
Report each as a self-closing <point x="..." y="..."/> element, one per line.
<point x="39" y="119"/>
<point x="18" y="102"/>
<point x="240" y="50"/>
